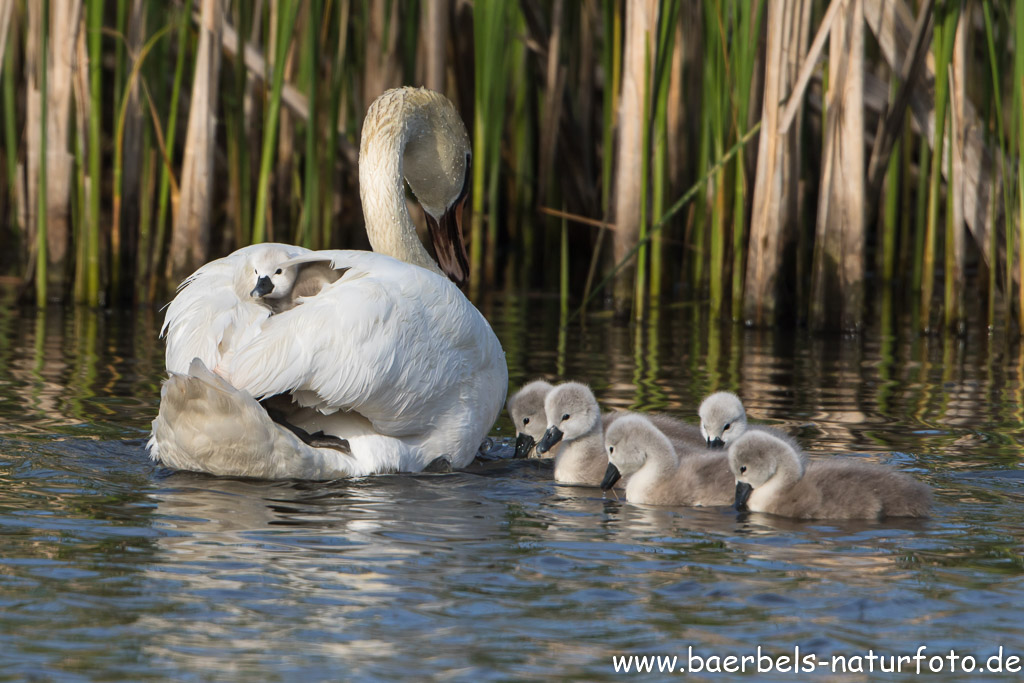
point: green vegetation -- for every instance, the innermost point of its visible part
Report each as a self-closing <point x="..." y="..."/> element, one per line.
<point x="541" y="85"/>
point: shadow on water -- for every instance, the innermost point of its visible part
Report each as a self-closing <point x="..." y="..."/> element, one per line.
<point x="113" y="567"/>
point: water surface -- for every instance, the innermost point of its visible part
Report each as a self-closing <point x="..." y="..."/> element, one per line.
<point x="113" y="568"/>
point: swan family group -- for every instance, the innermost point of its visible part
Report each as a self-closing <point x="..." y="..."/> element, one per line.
<point x="724" y="461"/>
<point x="289" y="363"/>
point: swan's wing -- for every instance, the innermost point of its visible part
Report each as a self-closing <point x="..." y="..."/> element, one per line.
<point x="388" y="340"/>
<point x="207" y="317"/>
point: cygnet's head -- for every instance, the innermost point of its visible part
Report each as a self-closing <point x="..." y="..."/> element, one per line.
<point x="629" y="441"/>
<point x="571" y="411"/>
<point x="757" y="457"/>
<point x="722" y="419"/>
<point x="263" y="277"/>
<point x="526" y="408"/>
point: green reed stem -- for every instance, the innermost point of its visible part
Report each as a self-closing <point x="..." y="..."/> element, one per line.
<point x="612" y="61"/>
<point x="171" y="134"/>
<point x="662" y="79"/>
<point x="920" y="214"/>
<point x="675" y="208"/>
<point x="639" y="303"/>
<point x="286" y="24"/>
<point x="891" y="218"/>
<point x="92" y="258"/>
<point x="41" y="213"/>
<point x="945" y="28"/>
<point x="122" y="115"/>
<point x="1018" y="152"/>
<point x="310" y="72"/>
<point x="10" y="131"/>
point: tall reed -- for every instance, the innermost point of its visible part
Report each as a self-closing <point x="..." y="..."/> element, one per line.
<point x="288" y="10"/>
<point x="528" y="84"/>
<point x="945" y="27"/>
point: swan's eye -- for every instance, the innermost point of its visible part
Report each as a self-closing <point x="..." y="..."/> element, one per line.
<point x="726" y="427"/>
<point x="526" y="420"/>
<point x="743" y="468"/>
<point x="277" y="272"/>
<point x="565" y="417"/>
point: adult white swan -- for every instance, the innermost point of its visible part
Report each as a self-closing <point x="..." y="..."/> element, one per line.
<point x="385" y="368"/>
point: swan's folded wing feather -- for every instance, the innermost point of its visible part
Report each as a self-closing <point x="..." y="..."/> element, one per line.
<point x="368" y="342"/>
<point x="207" y="318"/>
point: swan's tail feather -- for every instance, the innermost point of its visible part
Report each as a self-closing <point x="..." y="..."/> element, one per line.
<point x="207" y="425"/>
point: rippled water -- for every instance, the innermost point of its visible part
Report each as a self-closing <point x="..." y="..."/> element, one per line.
<point x="112" y="568"/>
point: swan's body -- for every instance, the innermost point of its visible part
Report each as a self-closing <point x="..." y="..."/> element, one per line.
<point x="658" y="475"/>
<point x="574" y="421"/>
<point x="385" y="357"/>
<point x="774" y="477"/>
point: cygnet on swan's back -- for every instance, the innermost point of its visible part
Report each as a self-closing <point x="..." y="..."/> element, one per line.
<point x="723" y="420"/>
<point x="657" y="474"/>
<point x="775" y="477"/>
<point x="526" y="408"/>
<point x="291" y="281"/>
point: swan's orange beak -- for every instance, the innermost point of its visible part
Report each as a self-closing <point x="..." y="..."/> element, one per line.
<point x="446" y="234"/>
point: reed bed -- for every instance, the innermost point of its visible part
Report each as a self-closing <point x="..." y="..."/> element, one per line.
<point x="625" y="153"/>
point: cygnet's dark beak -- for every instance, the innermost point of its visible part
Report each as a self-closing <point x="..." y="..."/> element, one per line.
<point x="524" y="444"/>
<point x="551" y="437"/>
<point x="611" y="476"/>
<point x="743" y="491"/>
<point x="263" y="287"/>
<point x="716" y="442"/>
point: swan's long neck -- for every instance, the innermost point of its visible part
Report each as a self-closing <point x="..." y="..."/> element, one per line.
<point x="392" y="123"/>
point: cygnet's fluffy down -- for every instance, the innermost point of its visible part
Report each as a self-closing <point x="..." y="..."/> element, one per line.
<point x="657" y="474"/>
<point x="775" y="477"/>
<point x="526" y="408"/>
<point x="574" y="420"/>
<point x="723" y="420"/>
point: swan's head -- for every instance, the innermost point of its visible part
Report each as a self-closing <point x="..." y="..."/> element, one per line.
<point x="264" y="277"/>
<point x="571" y="412"/>
<point x="417" y="134"/>
<point x="722" y="419"/>
<point x="630" y="441"/>
<point x="757" y="457"/>
<point x="526" y="408"/>
<point x="437" y="168"/>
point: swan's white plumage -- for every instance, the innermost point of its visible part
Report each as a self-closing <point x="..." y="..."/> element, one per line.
<point x="389" y="342"/>
<point x="390" y="357"/>
<point x="213" y="312"/>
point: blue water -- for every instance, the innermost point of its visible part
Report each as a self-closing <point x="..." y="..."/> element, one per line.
<point x="112" y="568"/>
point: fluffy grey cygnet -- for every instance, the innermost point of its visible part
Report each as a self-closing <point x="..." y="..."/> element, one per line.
<point x="526" y="408"/>
<point x="657" y="474"/>
<point x="775" y="477"/>
<point x="574" y="420"/>
<point x="282" y="285"/>
<point x="723" y="420"/>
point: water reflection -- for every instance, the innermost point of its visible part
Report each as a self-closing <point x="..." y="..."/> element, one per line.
<point x="114" y="567"/>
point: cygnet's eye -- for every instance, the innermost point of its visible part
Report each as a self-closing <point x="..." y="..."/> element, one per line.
<point x="526" y="420"/>
<point x="743" y="468"/>
<point x="277" y="272"/>
<point x="726" y="427"/>
<point x="611" y="449"/>
<point x="565" y="417"/>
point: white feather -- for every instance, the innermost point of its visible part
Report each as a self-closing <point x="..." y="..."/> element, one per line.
<point x="391" y="357"/>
